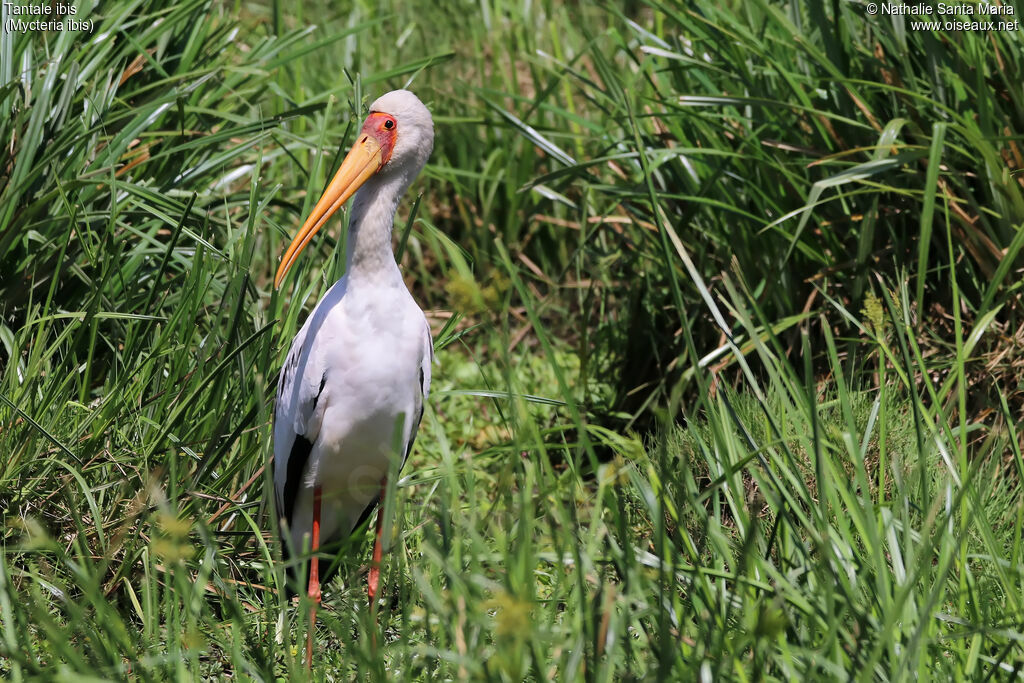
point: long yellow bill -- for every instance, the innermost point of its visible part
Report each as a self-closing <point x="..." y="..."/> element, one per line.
<point x="363" y="160"/>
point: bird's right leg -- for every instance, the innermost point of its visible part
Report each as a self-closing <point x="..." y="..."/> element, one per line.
<point x="314" y="578"/>
<point x="373" y="579"/>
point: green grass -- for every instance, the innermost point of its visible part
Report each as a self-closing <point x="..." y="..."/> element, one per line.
<point x="727" y="310"/>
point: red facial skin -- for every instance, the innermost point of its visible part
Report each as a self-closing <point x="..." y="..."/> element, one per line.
<point x="384" y="129"/>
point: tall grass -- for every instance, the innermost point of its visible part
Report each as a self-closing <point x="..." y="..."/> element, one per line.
<point x="725" y="305"/>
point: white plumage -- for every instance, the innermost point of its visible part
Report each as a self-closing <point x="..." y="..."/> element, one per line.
<point x="352" y="388"/>
<point x="363" y="375"/>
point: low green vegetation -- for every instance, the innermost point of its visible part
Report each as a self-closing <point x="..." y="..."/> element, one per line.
<point x="727" y="305"/>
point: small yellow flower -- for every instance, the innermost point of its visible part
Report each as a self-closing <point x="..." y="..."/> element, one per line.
<point x="873" y="312"/>
<point x="174" y="526"/>
<point x="512" y="615"/>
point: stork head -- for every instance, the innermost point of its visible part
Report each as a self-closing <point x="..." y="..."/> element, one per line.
<point x="395" y="141"/>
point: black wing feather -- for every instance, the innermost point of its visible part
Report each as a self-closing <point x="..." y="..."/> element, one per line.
<point x="301" y="448"/>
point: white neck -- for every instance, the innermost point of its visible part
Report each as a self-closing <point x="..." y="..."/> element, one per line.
<point x="369" y="228"/>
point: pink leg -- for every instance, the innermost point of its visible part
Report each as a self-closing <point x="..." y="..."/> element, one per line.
<point x="373" y="579"/>
<point x="314" y="578"/>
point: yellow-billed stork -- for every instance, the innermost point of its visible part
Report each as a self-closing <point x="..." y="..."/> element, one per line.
<point x="351" y="392"/>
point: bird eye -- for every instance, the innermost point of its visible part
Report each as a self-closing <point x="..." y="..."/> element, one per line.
<point x="389" y="124"/>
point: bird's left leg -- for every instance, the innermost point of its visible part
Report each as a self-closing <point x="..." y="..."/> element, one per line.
<point x="373" y="579"/>
<point x="314" y="578"/>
